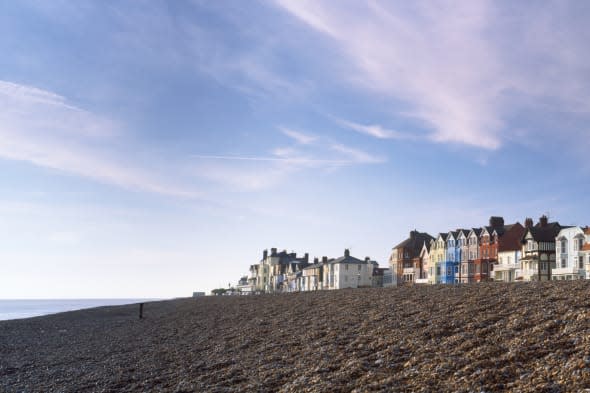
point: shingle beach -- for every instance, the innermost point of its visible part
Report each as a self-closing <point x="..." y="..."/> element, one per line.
<point x="522" y="337"/>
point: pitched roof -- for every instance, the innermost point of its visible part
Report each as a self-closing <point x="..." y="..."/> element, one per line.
<point x="415" y="242"/>
<point x="546" y="233"/>
<point x="477" y="231"/>
<point x="510" y="238"/>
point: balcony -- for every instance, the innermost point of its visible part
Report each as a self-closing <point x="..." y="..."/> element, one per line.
<point x="567" y="270"/>
<point x="506" y="267"/>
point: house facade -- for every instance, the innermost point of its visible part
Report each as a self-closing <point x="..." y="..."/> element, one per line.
<point x="438" y="254"/>
<point x="348" y="272"/>
<point x="405" y="258"/>
<point x="585" y="253"/>
<point x="424" y="259"/>
<point x="509" y="249"/>
<point x="450" y="266"/>
<point x="312" y="276"/>
<point x="466" y="264"/>
<point x="538" y="249"/>
<point x="569" y="247"/>
<point x="275" y="271"/>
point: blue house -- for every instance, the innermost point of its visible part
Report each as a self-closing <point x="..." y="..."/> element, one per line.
<point x="450" y="267"/>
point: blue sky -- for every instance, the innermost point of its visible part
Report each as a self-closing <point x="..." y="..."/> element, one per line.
<point x="156" y="148"/>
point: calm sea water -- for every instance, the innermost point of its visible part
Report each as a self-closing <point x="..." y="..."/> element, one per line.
<point x="16" y="309"/>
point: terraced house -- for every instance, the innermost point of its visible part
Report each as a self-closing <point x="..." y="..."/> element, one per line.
<point x="489" y="238"/>
<point x="405" y="258"/>
<point x="451" y="264"/>
<point x="585" y="252"/>
<point x="466" y="265"/>
<point x="508" y="249"/>
<point x="438" y="254"/>
<point x="570" y="264"/>
<point x="271" y="274"/>
<point x="538" y="249"/>
<point x="348" y="272"/>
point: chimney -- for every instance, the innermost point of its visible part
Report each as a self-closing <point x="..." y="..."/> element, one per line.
<point x="264" y="254"/>
<point x="324" y="259"/>
<point x="496" y="221"/>
<point x="306" y="257"/>
<point x="367" y="259"/>
<point x="346" y="253"/>
<point x="528" y="222"/>
<point x="543" y="220"/>
<point x="273" y="252"/>
<point x="316" y="260"/>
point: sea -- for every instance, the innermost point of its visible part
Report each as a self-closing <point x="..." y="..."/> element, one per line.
<point x="17" y="309"/>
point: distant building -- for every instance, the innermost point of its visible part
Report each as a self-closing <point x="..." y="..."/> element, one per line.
<point x="438" y="253"/>
<point x="538" y="249"/>
<point x="509" y="248"/>
<point x="585" y="253"/>
<point x="405" y="261"/>
<point x="348" y="272"/>
<point x="198" y="294"/>
<point x="272" y="273"/>
<point x="569" y="254"/>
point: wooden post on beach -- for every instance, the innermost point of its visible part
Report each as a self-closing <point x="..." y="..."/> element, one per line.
<point x="140" y="310"/>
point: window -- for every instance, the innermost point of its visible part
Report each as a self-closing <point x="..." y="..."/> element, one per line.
<point x="563" y="262"/>
<point x="345" y="267"/>
<point x="581" y="262"/>
<point x="359" y="266"/>
<point x="563" y="246"/>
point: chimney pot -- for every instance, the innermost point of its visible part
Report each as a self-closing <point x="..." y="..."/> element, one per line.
<point x="543" y="220"/>
<point x="528" y="222"/>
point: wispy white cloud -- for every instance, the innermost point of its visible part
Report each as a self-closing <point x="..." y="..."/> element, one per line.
<point x="463" y="69"/>
<point x="251" y="173"/>
<point x="298" y="136"/>
<point x="42" y="128"/>
<point x="357" y="155"/>
<point x="375" y="130"/>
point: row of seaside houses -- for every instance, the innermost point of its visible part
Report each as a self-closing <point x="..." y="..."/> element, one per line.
<point x="496" y="252"/>
<point x="281" y="271"/>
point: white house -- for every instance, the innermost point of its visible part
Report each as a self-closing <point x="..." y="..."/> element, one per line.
<point x="570" y="264"/>
<point x="585" y="253"/>
<point x="348" y="272"/>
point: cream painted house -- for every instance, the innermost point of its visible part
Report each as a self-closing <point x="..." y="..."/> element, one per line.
<point x="348" y="272"/>
<point x="438" y="253"/>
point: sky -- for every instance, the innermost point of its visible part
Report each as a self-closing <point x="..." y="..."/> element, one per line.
<point x="153" y="149"/>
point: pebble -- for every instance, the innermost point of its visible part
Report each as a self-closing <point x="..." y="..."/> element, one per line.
<point x="469" y="338"/>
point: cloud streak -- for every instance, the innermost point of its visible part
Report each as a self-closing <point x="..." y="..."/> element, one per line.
<point x="42" y="128"/>
<point x="462" y="69"/>
<point x="376" y="131"/>
<point x="300" y="137"/>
